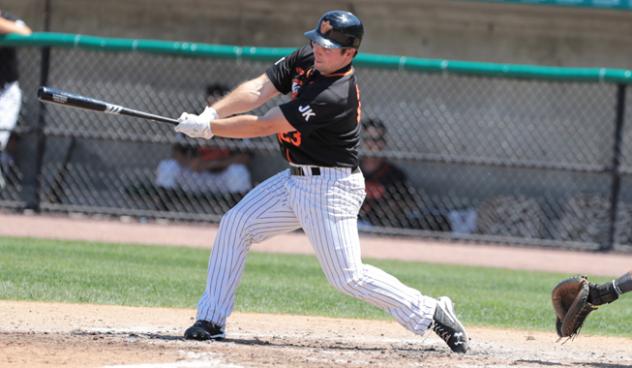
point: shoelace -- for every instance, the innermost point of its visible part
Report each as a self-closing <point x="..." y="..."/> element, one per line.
<point x="442" y="331"/>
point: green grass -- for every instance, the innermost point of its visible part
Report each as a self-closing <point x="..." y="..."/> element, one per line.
<point x="82" y="272"/>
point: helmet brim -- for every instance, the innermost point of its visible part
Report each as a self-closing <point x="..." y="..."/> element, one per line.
<point x="314" y="36"/>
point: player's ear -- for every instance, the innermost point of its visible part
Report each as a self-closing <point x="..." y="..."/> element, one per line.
<point x="349" y="50"/>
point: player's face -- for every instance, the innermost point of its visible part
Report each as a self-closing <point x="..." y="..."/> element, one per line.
<point x="373" y="139"/>
<point x="328" y="60"/>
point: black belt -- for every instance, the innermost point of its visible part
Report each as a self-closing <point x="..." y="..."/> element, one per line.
<point x="315" y="171"/>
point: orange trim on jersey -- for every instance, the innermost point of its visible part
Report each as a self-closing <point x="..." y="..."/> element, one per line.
<point x="359" y="113"/>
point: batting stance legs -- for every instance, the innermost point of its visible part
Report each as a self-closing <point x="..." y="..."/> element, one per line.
<point x="326" y="207"/>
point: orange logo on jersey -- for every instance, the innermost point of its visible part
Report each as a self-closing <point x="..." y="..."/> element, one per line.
<point x="325" y="27"/>
<point x="293" y="138"/>
<point x="299" y="80"/>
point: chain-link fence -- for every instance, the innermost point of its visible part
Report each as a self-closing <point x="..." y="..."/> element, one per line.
<point x="446" y="155"/>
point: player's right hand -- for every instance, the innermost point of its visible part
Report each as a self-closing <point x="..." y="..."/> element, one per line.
<point x="197" y="126"/>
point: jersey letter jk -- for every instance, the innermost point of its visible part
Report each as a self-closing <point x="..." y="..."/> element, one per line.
<point x="306" y="111"/>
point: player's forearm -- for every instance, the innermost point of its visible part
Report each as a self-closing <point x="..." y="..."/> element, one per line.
<point x="246" y="97"/>
<point x="207" y="124"/>
<point x="241" y="126"/>
<point x="7" y="26"/>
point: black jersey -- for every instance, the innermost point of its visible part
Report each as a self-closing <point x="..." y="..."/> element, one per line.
<point x="324" y="110"/>
<point x="8" y="59"/>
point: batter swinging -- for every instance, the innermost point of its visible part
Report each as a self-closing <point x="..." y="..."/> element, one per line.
<point x="321" y="192"/>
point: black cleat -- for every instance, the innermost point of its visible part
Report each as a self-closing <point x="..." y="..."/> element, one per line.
<point x="448" y="327"/>
<point x="204" y="330"/>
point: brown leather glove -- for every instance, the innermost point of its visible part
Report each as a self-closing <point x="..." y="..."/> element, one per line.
<point x="571" y="306"/>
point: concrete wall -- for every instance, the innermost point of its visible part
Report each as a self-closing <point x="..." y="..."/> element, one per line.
<point x="449" y="29"/>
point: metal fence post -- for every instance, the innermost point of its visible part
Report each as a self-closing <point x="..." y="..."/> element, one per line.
<point x="32" y="198"/>
<point x="615" y="167"/>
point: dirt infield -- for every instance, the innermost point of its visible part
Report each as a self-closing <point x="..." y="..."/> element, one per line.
<point x="72" y="335"/>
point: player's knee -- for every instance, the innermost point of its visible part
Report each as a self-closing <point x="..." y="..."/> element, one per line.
<point x="225" y="221"/>
<point x="235" y="222"/>
<point x="232" y="217"/>
<point x="351" y="284"/>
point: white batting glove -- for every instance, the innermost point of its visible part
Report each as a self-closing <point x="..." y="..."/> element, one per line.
<point x="197" y="126"/>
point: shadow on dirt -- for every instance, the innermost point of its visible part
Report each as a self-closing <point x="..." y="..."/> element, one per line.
<point x="280" y="342"/>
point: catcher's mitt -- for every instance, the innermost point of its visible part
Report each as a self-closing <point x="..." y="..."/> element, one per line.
<point x="570" y="302"/>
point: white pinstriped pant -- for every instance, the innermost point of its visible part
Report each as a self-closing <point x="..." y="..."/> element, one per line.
<point x="326" y="207"/>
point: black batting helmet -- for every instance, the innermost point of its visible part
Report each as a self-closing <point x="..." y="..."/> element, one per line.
<point x="337" y="29"/>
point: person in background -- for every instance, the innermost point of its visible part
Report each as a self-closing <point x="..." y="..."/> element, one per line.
<point x="199" y="169"/>
<point x="10" y="93"/>
<point x="205" y="169"/>
<point x="388" y="202"/>
<point x="391" y="198"/>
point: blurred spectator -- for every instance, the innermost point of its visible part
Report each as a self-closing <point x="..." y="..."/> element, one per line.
<point x="384" y="203"/>
<point x="391" y="200"/>
<point x="203" y="169"/>
<point x="10" y="93"/>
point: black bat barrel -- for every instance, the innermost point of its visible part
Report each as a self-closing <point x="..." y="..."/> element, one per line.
<point x="53" y="95"/>
<point x="48" y="94"/>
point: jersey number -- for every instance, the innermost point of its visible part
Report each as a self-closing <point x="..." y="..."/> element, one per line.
<point x="293" y="138"/>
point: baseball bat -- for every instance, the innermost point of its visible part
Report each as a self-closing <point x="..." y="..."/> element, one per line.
<point x="53" y="95"/>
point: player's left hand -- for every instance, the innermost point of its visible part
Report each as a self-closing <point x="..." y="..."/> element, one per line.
<point x="197" y="126"/>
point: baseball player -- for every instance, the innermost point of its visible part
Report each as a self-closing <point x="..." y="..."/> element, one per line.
<point x="318" y="132"/>
<point x="10" y="93"/>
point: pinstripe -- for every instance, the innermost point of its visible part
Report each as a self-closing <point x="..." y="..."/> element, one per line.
<point x="324" y="237"/>
<point x="225" y="256"/>
<point x="326" y="207"/>
<point x="227" y="300"/>
<point x="234" y="237"/>
<point x="341" y="262"/>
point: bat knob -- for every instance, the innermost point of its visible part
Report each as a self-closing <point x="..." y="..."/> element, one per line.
<point x="47" y="94"/>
